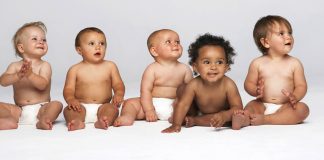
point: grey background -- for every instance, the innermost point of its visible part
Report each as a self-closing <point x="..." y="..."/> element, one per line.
<point x="127" y="24"/>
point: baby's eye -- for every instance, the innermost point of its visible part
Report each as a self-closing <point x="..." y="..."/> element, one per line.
<point x="91" y="43"/>
<point x="206" y="62"/>
<point x="34" y="39"/>
<point x="102" y="43"/>
<point x="168" y="42"/>
<point x="178" y="42"/>
<point x="44" y="40"/>
<point x="281" y="33"/>
<point x="290" y="33"/>
<point x="219" y="62"/>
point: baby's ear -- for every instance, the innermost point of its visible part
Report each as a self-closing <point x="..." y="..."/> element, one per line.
<point x="194" y="68"/>
<point x="153" y="52"/>
<point x="78" y="49"/>
<point x="264" y="42"/>
<point x="20" y="48"/>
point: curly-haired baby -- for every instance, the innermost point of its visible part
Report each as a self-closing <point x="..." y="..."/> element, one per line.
<point x="215" y="95"/>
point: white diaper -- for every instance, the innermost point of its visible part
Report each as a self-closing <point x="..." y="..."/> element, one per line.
<point x="271" y="108"/>
<point x="91" y="112"/>
<point x="29" y="113"/>
<point x="163" y="107"/>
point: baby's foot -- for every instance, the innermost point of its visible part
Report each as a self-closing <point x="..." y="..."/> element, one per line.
<point x="44" y="124"/>
<point x="75" y="125"/>
<point x="189" y="122"/>
<point x="170" y="119"/>
<point x="257" y="119"/>
<point x="123" y="121"/>
<point x="240" y="119"/>
<point x="102" y="123"/>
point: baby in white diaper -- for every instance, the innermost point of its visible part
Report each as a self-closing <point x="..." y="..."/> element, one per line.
<point x="30" y="78"/>
<point x="160" y="81"/>
<point x="93" y="88"/>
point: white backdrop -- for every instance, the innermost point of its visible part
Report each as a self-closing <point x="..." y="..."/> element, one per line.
<point x="127" y="24"/>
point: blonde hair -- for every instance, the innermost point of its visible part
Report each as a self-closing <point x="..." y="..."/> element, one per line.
<point x="16" y="39"/>
<point x="153" y="35"/>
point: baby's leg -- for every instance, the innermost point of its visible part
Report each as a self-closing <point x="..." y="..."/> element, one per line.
<point x="107" y="113"/>
<point x="132" y="109"/>
<point x="47" y="114"/>
<point x="9" y="116"/>
<point x="74" y="119"/>
<point x="286" y="115"/>
<point x="203" y="120"/>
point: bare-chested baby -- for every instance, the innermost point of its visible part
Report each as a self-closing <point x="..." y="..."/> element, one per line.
<point x="31" y="81"/>
<point x="213" y="93"/>
<point x="160" y="81"/>
<point x="276" y="79"/>
<point x="89" y="84"/>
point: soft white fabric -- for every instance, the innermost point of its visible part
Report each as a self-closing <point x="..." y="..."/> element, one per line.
<point x="29" y="113"/>
<point x="91" y="112"/>
<point x="271" y="108"/>
<point x="163" y="107"/>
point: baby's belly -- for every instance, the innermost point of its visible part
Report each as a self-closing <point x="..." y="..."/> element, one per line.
<point x="164" y="92"/>
<point x="273" y="92"/>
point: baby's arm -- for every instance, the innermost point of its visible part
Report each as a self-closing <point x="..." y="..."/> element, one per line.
<point x="300" y="83"/>
<point x="146" y="94"/>
<point x="235" y="103"/>
<point x="181" y="109"/>
<point x="118" y="87"/>
<point x="252" y="80"/>
<point x="10" y="76"/>
<point x="41" y="80"/>
<point x="188" y="75"/>
<point x="69" y="90"/>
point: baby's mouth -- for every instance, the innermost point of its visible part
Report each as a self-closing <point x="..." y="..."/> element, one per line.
<point x="97" y="54"/>
<point x="288" y="44"/>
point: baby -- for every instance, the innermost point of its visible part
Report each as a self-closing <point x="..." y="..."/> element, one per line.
<point x="31" y="81"/>
<point x="160" y="81"/>
<point x="214" y="94"/>
<point x="276" y="79"/>
<point x="89" y="84"/>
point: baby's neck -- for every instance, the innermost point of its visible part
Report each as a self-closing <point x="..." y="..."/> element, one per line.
<point x="166" y="62"/>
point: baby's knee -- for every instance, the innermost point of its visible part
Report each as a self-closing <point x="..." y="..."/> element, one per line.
<point x="302" y="110"/>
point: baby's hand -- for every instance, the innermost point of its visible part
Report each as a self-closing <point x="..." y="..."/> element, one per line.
<point x="217" y="120"/>
<point x="117" y="100"/>
<point x="172" y="129"/>
<point x="74" y="105"/>
<point x="29" y="69"/>
<point x="151" y="116"/>
<point x="292" y="98"/>
<point x="260" y="88"/>
<point x="25" y="69"/>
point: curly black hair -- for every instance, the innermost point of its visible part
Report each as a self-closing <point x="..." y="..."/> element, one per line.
<point x="208" y="39"/>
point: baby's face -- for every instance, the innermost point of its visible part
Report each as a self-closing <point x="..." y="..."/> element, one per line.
<point x="167" y="45"/>
<point x="211" y="63"/>
<point x="92" y="47"/>
<point x="33" y="43"/>
<point x="279" y="40"/>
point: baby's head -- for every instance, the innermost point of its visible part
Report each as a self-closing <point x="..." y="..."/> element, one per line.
<point x="33" y="32"/>
<point x="264" y="28"/>
<point x="213" y="41"/>
<point x="91" y="44"/>
<point x="164" y="44"/>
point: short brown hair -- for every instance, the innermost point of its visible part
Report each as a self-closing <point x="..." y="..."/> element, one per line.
<point x="16" y="39"/>
<point x="86" y="30"/>
<point x="263" y="26"/>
